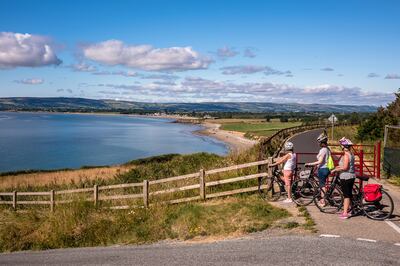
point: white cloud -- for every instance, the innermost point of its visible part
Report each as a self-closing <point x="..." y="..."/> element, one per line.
<point x="26" y="50"/>
<point x="83" y="67"/>
<point x="251" y="69"/>
<point x="226" y="52"/>
<point x="372" y="75"/>
<point x="327" y="69"/>
<point x="146" y="57"/>
<point x="117" y="73"/>
<point x="270" y="71"/>
<point x="249" y="52"/>
<point x="234" y="70"/>
<point x="196" y="89"/>
<point x="392" y="76"/>
<point x="34" y="81"/>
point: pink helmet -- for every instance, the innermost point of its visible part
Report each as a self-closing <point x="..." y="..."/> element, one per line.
<point x="345" y="142"/>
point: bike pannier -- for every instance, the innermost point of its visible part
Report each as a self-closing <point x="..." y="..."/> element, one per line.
<point x="372" y="192"/>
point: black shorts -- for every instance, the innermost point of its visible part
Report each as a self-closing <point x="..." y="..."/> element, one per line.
<point x="347" y="187"/>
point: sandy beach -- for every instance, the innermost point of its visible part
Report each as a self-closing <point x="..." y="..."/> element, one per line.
<point x="235" y="140"/>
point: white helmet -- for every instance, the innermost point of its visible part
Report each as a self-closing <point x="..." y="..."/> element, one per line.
<point x="345" y="142"/>
<point x="288" y="146"/>
<point x="322" y="138"/>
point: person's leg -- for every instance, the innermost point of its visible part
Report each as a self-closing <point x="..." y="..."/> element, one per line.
<point x="287" y="178"/>
<point x="323" y="174"/>
<point x="347" y="186"/>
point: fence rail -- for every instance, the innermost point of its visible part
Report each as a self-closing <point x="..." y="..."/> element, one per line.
<point x="55" y="197"/>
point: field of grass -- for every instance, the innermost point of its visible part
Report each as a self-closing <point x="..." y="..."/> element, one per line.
<point x="82" y="225"/>
<point x="254" y="127"/>
<point x="59" y="178"/>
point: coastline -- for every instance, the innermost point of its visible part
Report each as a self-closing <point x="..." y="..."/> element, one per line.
<point x="234" y="140"/>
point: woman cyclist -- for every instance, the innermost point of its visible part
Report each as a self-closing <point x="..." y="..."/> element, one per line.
<point x="289" y="159"/>
<point x="347" y="175"/>
<point x="322" y="163"/>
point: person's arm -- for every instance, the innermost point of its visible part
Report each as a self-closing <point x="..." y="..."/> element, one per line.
<point x="280" y="160"/>
<point x="346" y="164"/>
<point x="319" y="162"/>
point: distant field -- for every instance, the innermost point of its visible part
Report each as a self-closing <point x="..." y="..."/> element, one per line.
<point x="255" y="127"/>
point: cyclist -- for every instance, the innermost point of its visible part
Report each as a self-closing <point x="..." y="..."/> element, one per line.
<point x="322" y="163"/>
<point x="289" y="160"/>
<point x="347" y="175"/>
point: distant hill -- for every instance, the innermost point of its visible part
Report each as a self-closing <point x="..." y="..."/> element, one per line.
<point x="85" y="105"/>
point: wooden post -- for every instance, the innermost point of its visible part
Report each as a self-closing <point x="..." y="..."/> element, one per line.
<point x="146" y="193"/>
<point x="52" y="202"/>
<point x="14" y="200"/>
<point x="95" y="194"/>
<point x="270" y="161"/>
<point x="202" y="184"/>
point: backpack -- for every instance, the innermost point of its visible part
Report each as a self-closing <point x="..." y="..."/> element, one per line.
<point x="372" y="192"/>
<point x="330" y="163"/>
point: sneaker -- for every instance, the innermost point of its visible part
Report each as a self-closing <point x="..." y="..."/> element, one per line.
<point x="344" y="216"/>
<point x="322" y="202"/>
<point x="287" y="201"/>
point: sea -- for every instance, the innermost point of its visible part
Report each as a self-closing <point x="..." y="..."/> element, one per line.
<point x="47" y="141"/>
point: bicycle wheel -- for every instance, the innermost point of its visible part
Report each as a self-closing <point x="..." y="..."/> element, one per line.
<point x="269" y="189"/>
<point x="331" y="202"/>
<point x="304" y="191"/>
<point x="379" y="210"/>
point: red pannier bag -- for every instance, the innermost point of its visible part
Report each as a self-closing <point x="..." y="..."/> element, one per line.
<point x="372" y="192"/>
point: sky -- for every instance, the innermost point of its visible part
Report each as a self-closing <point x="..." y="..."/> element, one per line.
<point x="331" y="52"/>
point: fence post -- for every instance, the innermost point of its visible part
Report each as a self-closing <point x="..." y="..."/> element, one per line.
<point x="52" y="202"/>
<point x="202" y="184"/>
<point x="95" y="194"/>
<point x="361" y="162"/>
<point x="146" y="193"/>
<point x="270" y="161"/>
<point x="14" y="200"/>
<point x="378" y="157"/>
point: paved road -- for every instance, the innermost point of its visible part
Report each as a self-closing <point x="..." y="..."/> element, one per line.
<point x="288" y="250"/>
<point x="356" y="227"/>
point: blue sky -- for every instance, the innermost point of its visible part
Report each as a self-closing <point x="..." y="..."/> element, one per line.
<point x="344" y="52"/>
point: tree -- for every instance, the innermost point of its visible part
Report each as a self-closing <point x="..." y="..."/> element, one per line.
<point x="373" y="127"/>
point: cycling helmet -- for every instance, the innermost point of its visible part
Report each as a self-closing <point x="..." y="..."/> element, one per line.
<point x="322" y="138"/>
<point x="288" y="146"/>
<point x="345" y="142"/>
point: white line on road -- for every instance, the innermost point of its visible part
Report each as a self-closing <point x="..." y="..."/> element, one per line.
<point x="324" y="235"/>
<point x="395" y="227"/>
<point x="366" y="239"/>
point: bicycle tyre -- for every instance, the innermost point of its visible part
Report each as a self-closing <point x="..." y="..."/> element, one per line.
<point x="269" y="189"/>
<point x="333" y="202"/>
<point x="374" y="210"/>
<point x="304" y="191"/>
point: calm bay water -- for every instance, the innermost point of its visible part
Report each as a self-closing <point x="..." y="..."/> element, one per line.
<point x="53" y="141"/>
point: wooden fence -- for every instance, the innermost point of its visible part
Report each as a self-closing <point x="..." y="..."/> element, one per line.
<point x="97" y="191"/>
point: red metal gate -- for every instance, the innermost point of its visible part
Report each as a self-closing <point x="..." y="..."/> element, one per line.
<point x="367" y="158"/>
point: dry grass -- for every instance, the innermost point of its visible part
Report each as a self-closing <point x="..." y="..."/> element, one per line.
<point x="81" y="224"/>
<point x="58" y="178"/>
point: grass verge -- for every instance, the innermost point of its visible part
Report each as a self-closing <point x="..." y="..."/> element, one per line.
<point x="82" y="225"/>
<point x="395" y="180"/>
<point x="310" y="224"/>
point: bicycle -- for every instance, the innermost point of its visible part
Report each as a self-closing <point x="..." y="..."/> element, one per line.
<point x="376" y="210"/>
<point x="330" y="201"/>
<point x="305" y="187"/>
<point x="271" y="187"/>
